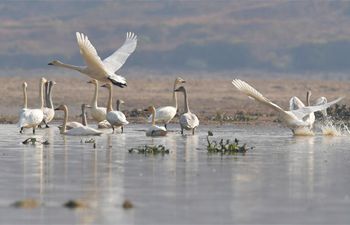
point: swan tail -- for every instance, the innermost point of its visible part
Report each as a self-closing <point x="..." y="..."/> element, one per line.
<point x="118" y="80"/>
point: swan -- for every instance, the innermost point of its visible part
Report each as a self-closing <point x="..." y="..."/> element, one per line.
<point x="74" y="124"/>
<point x="322" y="101"/>
<point x="292" y="119"/>
<point x="98" y="113"/>
<point x="295" y="103"/>
<point x="115" y="118"/>
<point x="188" y="120"/>
<point x="104" y="71"/>
<point x="154" y="130"/>
<point x="49" y="110"/>
<point x="31" y="118"/>
<point x="77" y="131"/>
<point x="167" y="113"/>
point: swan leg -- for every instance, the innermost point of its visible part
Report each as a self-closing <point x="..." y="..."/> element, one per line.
<point x="21" y="131"/>
<point x="122" y="129"/>
<point x="182" y="130"/>
<point x="46" y="125"/>
<point x="165" y="126"/>
<point x="112" y="129"/>
<point x="193" y="131"/>
<point x="33" y="130"/>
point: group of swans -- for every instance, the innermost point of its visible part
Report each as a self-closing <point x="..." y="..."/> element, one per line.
<point x="102" y="70"/>
<point x="299" y="116"/>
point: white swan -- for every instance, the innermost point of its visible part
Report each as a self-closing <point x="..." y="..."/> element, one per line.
<point x="295" y="103"/>
<point x="31" y="118"/>
<point x="104" y="71"/>
<point x="167" y="113"/>
<point x="292" y="119"/>
<point x="188" y="120"/>
<point x="78" y="131"/>
<point x="322" y="101"/>
<point x="154" y="130"/>
<point x="98" y="113"/>
<point x="115" y="118"/>
<point x="49" y="110"/>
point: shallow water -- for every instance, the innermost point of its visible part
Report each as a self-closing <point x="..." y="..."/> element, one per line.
<point x="284" y="179"/>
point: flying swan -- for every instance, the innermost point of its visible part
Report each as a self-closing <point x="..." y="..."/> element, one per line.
<point x="293" y="119"/>
<point x="104" y="71"/>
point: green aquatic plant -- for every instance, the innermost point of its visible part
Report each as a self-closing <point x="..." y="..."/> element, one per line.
<point x="150" y="149"/>
<point x="73" y="204"/>
<point x="89" y="141"/>
<point x="225" y="147"/>
<point x="27" y="204"/>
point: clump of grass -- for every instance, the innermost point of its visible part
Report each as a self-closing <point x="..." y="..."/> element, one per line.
<point x="89" y="141"/>
<point x="127" y="204"/>
<point x="150" y="149"/>
<point x="73" y="204"/>
<point x="33" y="141"/>
<point x="239" y="116"/>
<point x="26" y="204"/>
<point x="225" y="147"/>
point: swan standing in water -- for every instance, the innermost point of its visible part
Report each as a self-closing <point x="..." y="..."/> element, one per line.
<point x="295" y="103"/>
<point x="154" y="130"/>
<point x="31" y="118"/>
<point x="77" y="131"/>
<point x="115" y="118"/>
<point x="292" y="119"/>
<point x="49" y="110"/>
<point x="188" y="120"/>
<point x="167" y="113"/>
<point x="104" y="71"/>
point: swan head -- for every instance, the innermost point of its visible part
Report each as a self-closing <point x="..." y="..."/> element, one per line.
<point x="52" y="83"/>
<point x="43" y="80"/>
<point x="150" y="109"/>
<point x="62" y="107"/>
<point x="54" y="63"/>
<point x="180" y="89"/>
<point x="84" y="106"/>
<point x="107" y="85"/>
<point x="120" y="101"/>
<point x="93" y="81"/>
<point x="179" y="80"/>
<point x="24" y="85"/>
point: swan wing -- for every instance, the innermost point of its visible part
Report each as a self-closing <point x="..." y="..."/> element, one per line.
<point x="189" y="120"/>
<point x="295" y="103"/>
<point x="253" y="93"/>
<point x="321" y="101"/>
<point x="83" y="131"/>
<point x="302" y="112"/>
<point x="89" y="54"/>
<point x="116" y="118"/>
<point x="115" y="61"/>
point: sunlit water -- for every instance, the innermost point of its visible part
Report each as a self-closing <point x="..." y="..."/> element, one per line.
<point x="285" y="179"/>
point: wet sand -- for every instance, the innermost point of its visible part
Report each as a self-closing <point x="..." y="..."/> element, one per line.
<point x="208" y="97"/>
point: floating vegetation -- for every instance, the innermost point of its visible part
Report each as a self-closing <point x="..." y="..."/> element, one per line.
<point x="239" y="116"/>
<point x="127" y="204"/>
<point x="150" y="149"/>
<point x="27" y="204"/>
<point x="73" y="204"/>
<point x="89" y="141"/>
<point x="225" y="147"/>
<point x="33" y="141"/>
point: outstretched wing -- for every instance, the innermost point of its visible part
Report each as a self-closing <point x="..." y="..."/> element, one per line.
<point x="253" y="93"/>
<point x="89" y="54"/>
<point x="295" y="103"/>
<point x="302" y="112"/>
<point x="115" y="61"/>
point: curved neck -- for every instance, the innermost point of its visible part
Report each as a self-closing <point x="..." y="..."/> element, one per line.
<point x="77" y="68"/>
<point x="83" y="118"/>
<point x="174" y="96"/>
<point x="94" y="99"/>
<point x="49" y="99"/>
<point x="109" y="104"/>
<point x="25" y="101"/>
<point x="118" y="105"/>
<point x="41" y="94"/>
<point x="64" y="129"/>
<point x="187" y="109"/>
<point x="153" y="116"/>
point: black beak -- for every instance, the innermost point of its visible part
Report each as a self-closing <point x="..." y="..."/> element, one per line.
<point x="145" y="110"/>
<point x="57" y="109"/>
<point x="50" y="64"/>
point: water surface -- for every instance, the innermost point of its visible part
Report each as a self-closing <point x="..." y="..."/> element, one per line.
<point x="285" y="179"/>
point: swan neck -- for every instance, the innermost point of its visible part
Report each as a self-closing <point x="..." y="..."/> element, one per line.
<point x="94" y="100"/>
<point x="65" y="119"/>
<point x="187" y="109"/>
<point x="308" y="98"/>
<point x="25" y="100"/>
<point x="109" y="104"/>
<point x="118" y="105"/>
<point x="49" y="99"/>
<point x="153" y="117"/>
<point x="174" y="96"/>
<point x="83" y="120"/>
<point x="41" y="94"/>
<point x="69" y="66"/>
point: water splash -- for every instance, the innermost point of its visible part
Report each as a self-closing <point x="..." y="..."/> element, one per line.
<point x="332" y="128"/>
<point x="303" y="131"/>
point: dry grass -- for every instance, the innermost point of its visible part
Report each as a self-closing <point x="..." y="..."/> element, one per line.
<point x="207" y="96"/>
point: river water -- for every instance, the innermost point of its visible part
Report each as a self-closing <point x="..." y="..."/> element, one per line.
<point x="284" y="179"/>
